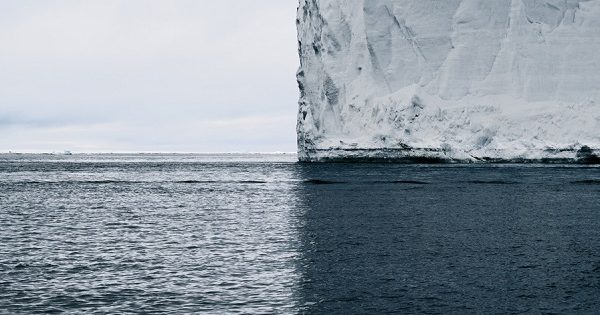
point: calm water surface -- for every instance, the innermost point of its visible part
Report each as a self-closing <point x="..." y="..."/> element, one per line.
<point x="227" y="234"/>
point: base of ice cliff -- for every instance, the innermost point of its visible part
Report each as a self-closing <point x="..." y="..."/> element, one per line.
<point x="452" y="80"/>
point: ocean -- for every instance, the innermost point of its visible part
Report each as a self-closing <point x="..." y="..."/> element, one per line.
<point x="263" y="234"/>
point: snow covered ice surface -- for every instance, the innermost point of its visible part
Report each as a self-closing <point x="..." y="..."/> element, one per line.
<point x="452" y="80"/>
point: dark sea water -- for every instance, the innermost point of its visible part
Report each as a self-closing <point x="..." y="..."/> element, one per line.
<point x="227" y="234"/>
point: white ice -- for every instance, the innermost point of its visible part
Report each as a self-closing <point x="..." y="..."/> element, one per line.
<point x="457" y="79"/>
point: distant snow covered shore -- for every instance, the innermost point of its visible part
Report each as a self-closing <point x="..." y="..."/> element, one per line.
<point x="454" y="80"/>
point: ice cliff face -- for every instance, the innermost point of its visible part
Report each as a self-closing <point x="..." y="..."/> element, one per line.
<point x="462" y="80"/>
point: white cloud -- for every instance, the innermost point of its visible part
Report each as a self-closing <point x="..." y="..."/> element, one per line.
<point x="102" y="75"/>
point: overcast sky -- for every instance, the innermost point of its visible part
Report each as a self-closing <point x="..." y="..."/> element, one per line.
<point x="148" y="75"/>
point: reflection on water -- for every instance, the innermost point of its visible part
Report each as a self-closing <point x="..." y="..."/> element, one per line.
<point x="262" y="234"/>
<point x="157" y="234"/>
<point x="446" y="239"/>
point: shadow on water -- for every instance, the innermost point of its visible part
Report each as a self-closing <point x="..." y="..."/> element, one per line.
<point x="447" y="239"/>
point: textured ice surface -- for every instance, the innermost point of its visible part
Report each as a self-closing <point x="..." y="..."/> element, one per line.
<point x="462" y="80"/>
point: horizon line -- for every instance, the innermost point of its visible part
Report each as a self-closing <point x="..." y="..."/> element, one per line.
<point x="142" y="152"/>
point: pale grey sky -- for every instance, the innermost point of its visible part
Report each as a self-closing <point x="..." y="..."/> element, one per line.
<point x="148" y="75"/>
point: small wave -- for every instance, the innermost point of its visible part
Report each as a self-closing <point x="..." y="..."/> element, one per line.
<point x="195" y="182"/>
<point x="105" y="182"/>
<point x="492" y="182"/>
<point x="321" y="182"/>
<point x="77" y="182"/>
<point x="528" y="266"/>
<point x="527" y="296"/>
<point x="98" y="182"/>
<point x="414" y="182"/>
<point x="216" y="182"/>
<point x="329" y="182"/>
<point x="587" y="182"/>
<point x="407" y="182"/>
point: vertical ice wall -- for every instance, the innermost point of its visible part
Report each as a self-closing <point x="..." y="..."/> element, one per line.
<point x="455" y="79"/>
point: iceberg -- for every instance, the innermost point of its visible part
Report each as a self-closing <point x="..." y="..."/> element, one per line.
<point x="450" y="81"/>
